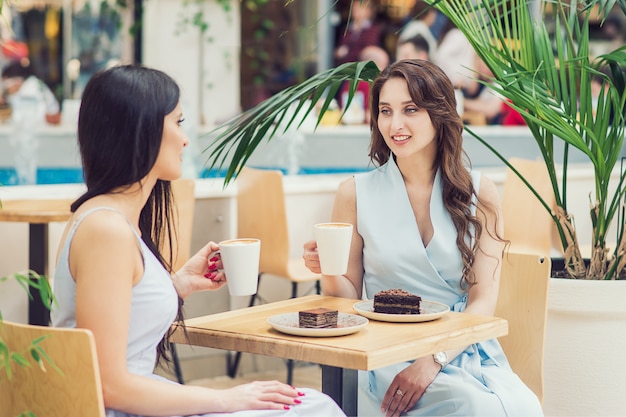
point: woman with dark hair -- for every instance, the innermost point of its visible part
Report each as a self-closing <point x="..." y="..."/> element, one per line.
<point x="111" y="277"/>
<point x="425" y="222"/>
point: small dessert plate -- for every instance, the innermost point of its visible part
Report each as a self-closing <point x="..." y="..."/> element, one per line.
<point x="431" y="310"/>
<point x="346" y="324"/>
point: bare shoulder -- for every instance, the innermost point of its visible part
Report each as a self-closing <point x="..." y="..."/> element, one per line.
<point x="347" y="188"/>
<point x="344" y="208"/>
<point x="346" y="193"/>
<point x="488" y="191"/>
<point x="104" y="229"/>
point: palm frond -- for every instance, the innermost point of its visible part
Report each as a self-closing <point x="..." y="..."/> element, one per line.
<point x="236" y="140"/>
<point x="547" y="76"/>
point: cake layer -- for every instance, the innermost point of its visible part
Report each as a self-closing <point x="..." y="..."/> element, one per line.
<point x="396" y="301"/>
<point x="318" y="318"/>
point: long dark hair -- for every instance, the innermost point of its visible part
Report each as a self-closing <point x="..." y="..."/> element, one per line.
<point x="432" y="90"/>
<point x="120" y="128"/>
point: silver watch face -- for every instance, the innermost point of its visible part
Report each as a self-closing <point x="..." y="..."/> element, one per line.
<point x="441" y="358"/>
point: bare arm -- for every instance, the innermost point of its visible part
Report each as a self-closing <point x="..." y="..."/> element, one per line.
<point x="105" y="270"/>
<point x="344" y="210"/>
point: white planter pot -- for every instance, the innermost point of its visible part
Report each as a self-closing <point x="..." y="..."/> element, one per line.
<point x="585" y="353"/>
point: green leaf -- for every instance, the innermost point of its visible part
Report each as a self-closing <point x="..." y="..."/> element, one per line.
<point x="235" y="141"/>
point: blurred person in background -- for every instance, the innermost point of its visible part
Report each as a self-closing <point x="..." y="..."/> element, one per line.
<point x="20" y="84"/>
<point x="420" y="22"/>
<point x="416" y="47"/>
<point x="455" y="56"/>
<point x="358" y="112"/>
<point x="362" y="31"/>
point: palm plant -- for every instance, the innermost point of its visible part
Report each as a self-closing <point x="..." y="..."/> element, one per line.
<point x="548" y="80"/>
<point x="546" y="75"/>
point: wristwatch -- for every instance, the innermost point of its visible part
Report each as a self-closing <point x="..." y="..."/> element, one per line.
<point x="441" y="358"/>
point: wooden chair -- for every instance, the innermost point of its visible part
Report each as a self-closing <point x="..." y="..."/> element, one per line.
<point x="74" y="390"/>
<point x="261" y="214"/>
<point x="527" y="225"/>
<point x="523" y="301"/>
<point x="185" y="201"/>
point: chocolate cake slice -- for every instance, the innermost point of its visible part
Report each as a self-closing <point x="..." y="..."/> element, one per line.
<point x="318" y="318"/>
<point x="396" y="301"/>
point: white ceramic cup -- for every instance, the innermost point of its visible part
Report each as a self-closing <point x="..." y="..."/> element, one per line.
<point x="241" y="264"/>
<point x="333" y="247"/>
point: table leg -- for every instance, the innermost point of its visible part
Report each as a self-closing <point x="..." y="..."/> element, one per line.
<point x="342" y="386"/>
<point x="38" y="261"/>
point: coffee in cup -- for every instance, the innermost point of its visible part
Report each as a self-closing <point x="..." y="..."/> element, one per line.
<point x="333" y="246"/>
<point x="240" y="258"/>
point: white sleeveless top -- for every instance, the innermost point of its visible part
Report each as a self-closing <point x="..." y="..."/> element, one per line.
<point x="154" y="306"/>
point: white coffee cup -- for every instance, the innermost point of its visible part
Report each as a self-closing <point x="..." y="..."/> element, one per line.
<point x="333" y="247"/>
<point x="241" y="264"/>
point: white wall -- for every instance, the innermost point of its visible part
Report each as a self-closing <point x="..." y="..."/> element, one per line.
<point x="206" y="66"/>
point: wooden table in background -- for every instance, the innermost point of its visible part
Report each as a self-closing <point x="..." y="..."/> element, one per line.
<point x="376" y="345"/>
<point x="38" y="214"/>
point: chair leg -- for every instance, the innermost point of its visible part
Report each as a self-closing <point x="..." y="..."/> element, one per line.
<point x="290" y="364"/>
<point x="177" y="369"/>
<point x="232" y="363"/>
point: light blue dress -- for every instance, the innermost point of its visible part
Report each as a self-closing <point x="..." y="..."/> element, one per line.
<point x="478" y="382"/>
<point x="153" y="310"/>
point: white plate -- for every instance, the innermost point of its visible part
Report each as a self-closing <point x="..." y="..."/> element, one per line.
<point x="346" y="324"/>
<point x="431" y="310"/>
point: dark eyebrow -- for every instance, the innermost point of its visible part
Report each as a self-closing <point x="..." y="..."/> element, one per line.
<point x="404" y="103"/>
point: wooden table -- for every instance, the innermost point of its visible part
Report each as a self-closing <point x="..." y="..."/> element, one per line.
<point x="38" y="214"/>
<point x="376" y="345"/>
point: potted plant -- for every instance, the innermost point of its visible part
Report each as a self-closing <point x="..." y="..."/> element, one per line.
<point x="546" y="72"/>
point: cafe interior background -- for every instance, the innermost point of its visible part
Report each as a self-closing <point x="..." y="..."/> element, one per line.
<point x="227" y="56"/>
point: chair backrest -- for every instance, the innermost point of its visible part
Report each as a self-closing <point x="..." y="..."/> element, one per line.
<point x="185" y="201"/>
<point x="526" y="223"/>
<point x="70" y="388"/>
<point x="523" y="301"/>
<point x="261" y="214"/>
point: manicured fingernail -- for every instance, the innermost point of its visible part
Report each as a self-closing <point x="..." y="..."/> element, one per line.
<point x="302" y="394"/>
<point x="213" y="259"/>
<point x="210" y="275"/>
<point x="297" y="401"/>
<point x="212" y="266"/>
<point x="286" y="407"/>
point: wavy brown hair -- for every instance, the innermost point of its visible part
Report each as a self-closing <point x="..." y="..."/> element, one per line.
<point x="432" y="90"/>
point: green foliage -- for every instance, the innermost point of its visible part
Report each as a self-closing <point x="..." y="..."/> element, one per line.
<point x="237" y="139"/>
<point x="545" y="72"/>
<point x="35" y="351"/>
<point x="547" y="75"/>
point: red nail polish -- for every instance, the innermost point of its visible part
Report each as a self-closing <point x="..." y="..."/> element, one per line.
<point x="211" y="275"/>
<point x="286" y="407"/>
<point x="302" y="394"/>
<point x="212" y="266"/>
<point x="207" y="275"/>
<point x="297" y="401"/>
<point x="213" y="259"/>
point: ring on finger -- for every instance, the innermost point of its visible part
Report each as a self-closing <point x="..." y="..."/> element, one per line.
<point x="399" y="392"/>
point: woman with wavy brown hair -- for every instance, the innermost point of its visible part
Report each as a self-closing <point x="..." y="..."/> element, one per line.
<point x="425" y="222"/>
